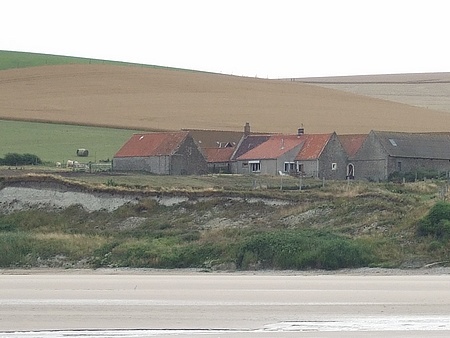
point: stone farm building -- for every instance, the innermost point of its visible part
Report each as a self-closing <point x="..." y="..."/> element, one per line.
<point x="314" y="155"/>
<point x="167" y="153"/>
<point x="351" y="143"/>
<point x="373" y="156"/>
<point x="384" y="153"/>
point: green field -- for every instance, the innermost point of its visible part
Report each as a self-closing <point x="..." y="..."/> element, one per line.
<point x="11" y="59"/>
<point x="58" y="142"/>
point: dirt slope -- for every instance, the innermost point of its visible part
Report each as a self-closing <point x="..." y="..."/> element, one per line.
<point x="163" y="99"/>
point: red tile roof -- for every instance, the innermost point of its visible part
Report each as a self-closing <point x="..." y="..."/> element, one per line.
<point x="352" y="142"/>
<point x="274" y="147"/>
<point x="313" y="147"/>
<point x="218" y="155"/>
<point x="152" y="144"/>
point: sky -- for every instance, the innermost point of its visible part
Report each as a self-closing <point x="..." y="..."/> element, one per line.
<point x="256" y="38"/>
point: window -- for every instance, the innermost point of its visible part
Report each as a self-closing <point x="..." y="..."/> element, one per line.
<point x="399" y="166"/>
<point x="350" y="171"/>
<point x="300" y="168"/>
<point x="255" y="166"/>
<point x="393" y="142"/>
<point x="333" y="166"/>
<point x="244" y="164"/>
<point x="289" y="167"/>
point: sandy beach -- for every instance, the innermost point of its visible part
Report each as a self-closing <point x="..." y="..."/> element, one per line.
<point x="189" y="303"/>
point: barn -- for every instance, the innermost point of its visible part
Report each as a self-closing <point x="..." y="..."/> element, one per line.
<point x="384" y="153"/>
<point x="166" y="153"/>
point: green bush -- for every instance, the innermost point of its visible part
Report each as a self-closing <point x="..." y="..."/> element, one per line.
<point x="418" y="175"/>
<point x="437" y="222"/>
<point x="302" y="250"/>
<point x="14" y="159"/>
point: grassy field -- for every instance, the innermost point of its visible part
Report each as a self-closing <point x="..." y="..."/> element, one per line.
<point x="57" y="142"/>
<point x="11" y="60"/>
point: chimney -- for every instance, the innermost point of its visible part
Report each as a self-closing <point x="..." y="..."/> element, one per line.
<point x="247" y="129"/>
<point x="300" y="131"/>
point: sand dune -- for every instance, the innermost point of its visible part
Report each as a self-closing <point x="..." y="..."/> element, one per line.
<point x="165" y="99"/>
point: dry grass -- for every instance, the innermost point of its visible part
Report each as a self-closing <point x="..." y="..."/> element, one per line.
<point x="164" y="99"/>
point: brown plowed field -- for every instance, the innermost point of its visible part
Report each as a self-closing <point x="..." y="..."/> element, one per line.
<point x="165" y="99"/>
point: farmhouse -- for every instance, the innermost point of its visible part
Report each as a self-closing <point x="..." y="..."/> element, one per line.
<point x="273" y="155"/>
<point x="315" y="155"/>
<point x="384" y="153"/>
<point x="322" y="156"/>
<point x="170" y="153"/>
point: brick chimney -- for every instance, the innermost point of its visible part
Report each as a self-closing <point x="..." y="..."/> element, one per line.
<point x="247" y="129"/>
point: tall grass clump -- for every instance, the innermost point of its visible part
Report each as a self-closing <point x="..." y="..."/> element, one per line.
<point x="306" y="249"/>
<point x="23" y="249"/>
<point x="15" y="248"/>
<point x="165" y="253"/>
<point x="437" y="222"/>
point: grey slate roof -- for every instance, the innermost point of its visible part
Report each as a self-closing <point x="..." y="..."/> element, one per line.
<point x="248" y="143"/>
<point x="215" y="138"/>
<point x="415" y="145"/>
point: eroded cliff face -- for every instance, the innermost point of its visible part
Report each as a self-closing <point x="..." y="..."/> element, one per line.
<point x="23" y="198"/>
<point x="53" y="193"/>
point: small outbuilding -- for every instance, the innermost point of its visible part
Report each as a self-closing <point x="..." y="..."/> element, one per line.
<point x="219" y="159"/>
<point x="167" y="153"/>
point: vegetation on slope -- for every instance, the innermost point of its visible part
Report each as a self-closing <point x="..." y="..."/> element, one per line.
<point x="328" y="227"/>
<point x="12" y="59"/>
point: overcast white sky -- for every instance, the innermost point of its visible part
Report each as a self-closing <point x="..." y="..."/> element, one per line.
<point x="267" y="39"/>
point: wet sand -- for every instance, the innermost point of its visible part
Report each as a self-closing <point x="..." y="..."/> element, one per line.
<point x="348" y="304"/>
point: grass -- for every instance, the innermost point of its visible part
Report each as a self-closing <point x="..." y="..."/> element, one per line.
<point x="13" y="59"/>
<point x="216" y="182"/>
<point x="58" y="142"/>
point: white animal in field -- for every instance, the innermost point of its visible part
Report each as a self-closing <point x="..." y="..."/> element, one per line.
<point x="69" y="164"/>
<point x="58" y="164"/>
